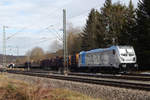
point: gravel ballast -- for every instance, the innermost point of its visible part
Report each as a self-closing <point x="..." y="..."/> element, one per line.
<point x="96" y="91"/>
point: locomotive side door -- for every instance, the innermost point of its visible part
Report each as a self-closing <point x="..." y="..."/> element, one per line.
<point x="112" y="58"/>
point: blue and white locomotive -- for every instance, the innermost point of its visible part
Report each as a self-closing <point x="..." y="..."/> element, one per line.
<point x="118" y="57"/>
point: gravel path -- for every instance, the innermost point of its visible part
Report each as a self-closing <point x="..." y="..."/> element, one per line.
<point x="96" y="91"/>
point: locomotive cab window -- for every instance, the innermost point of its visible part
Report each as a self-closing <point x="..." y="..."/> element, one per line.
<point x="131" y="54"/>
<point x="123" y="54"/>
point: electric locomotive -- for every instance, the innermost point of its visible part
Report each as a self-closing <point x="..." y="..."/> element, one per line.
<point x="115" y="57"/>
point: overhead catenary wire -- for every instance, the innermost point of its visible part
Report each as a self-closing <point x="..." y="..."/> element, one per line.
<point x="45" y="28"/>
<point x="69" y="18"/>
<point x="48" y="25"/>
<point x="57" y="35"/>
<point x="83" y="12"/>
<point x="30" y="25"/>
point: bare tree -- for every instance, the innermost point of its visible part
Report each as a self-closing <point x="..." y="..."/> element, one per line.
<point x="35" y="55"/>
<point x="73" y="39"/>
<point x="55" y="46"/>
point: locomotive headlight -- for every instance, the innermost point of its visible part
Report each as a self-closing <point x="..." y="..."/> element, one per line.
<point x="135" y="65"/>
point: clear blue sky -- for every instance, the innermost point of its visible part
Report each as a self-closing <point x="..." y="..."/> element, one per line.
<point x="32" y="17"/>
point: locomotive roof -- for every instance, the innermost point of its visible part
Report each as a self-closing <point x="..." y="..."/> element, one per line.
<point x="103" y="49"/>
<point x="99" y="50"/>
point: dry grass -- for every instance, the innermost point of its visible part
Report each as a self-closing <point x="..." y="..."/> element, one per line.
<point x="16" y="90"/>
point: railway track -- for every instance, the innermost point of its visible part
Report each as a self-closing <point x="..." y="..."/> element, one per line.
<point x="134" y="74"/>
<point x="135" y="77"/>
<point x="90" y="80"/>
<point x="124" y="77"/>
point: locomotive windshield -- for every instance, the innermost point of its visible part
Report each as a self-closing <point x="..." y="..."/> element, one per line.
<point x="126" y="51"/>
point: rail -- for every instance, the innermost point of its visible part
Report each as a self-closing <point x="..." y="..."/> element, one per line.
<point x="115" y="83"/>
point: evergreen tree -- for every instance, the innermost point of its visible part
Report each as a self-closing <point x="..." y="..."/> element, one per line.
<point x="100" y="32"/>
<point x="128" y="32"/>
<point x="114" y="20"/>
<point x="88" y="36"/>
<point x="108" y="3"/>
<point x="84" y="41"/>
<point x="143" y="33"/>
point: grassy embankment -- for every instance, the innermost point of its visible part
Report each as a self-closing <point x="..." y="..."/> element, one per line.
<point x="16" y="90"/>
